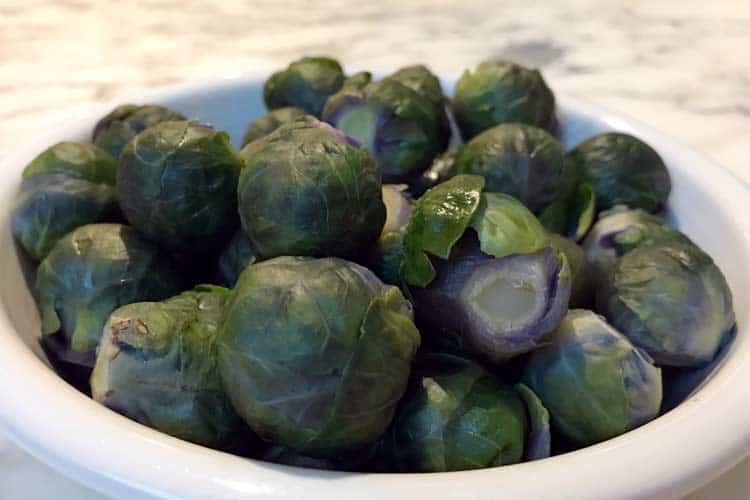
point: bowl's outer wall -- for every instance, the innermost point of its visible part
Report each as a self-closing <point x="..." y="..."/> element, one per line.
<point x="666" y="458"/>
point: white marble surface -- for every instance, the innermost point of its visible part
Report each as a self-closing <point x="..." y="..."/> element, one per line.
<point x="678" y="65"/>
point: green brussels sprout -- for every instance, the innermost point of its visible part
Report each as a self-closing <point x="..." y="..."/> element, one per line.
<point x="358" y="80"/>
<point x="582" y="286"/>
<point x="422" y="81"/>
<point x="500" y="287"/>
<point x="74" y="159"/>
<point x="306" y="84"/>
<point x="156" y="364"/>
<point x="457" y="416"/>
<point x="671" y="300"/>
<point x="439" y="171"/>
<point x="502" y="92"/>
<point x="594" y="382"/>
<point x="522" y="161"/>
<point x="270" y="122"/>
<point x="65" y="187"/>
<point x="88" y="274"/>
<point x="114" y="131"/>
<point x="620" y="230"/>
<point x="316" y="353"/>
<point x="176" y="184"/>
<point x="623" y="170"/>
<point x="307" y="189"/>
<point x="236" y="256"/>
<point x="402" y="128"/>
<point x="389" y="252"/>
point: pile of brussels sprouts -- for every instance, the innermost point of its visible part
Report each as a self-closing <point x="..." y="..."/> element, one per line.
<point x="497" y="300"/>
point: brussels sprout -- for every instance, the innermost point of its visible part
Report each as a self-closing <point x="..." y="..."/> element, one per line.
<point x="176" y="184"/>
<point x="522" y="161"/>
<point x="457" y="416"/>
<point x="439" y="171"/>
<point x="502" y="307"/>
<point x="502" y="92"/>
<point x="500" y="286"/>
<point x="307" y="190"/>
<point x="67" y="186"/>
<point x="402" y="128"/>
<point x="422" y="81"/>
<point x="124" y="122"/>
<point x="671" y="300"/>
<point x="88" y="274"/>
<point x="623" y="170"/>
<point x="236" y="256"/>
<point x="156" y="364"/>
<point x="390" y="249"/>
<point x="582" y="286"/>
<point x="270" y="122"/>
<point x="306" y="84"/>
<point x="594" y="383"/>
<point x="358" y="80"/>
<point x="316" y="353"/>
<point x="76" y="160"/>
<point x="620" y="230"/>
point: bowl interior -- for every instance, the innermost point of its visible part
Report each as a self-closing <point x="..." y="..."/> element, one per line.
<point x="706" y="203"/>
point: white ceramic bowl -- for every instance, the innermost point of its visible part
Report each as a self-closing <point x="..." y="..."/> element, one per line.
<point x="666" y="458"/>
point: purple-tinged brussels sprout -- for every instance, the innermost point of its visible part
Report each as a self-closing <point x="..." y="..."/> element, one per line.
<point x="306" y="84"/>
<point x="622" y="170"/>
<point x="502" y="92"/>
<point x="307" y="190"/>
<point x="480" y="265"/>
<point x="502" y="307"/>
<point x="387" y="257"/>
<point x="236" y="256"/>
<point x="516" y="159"/>
<point x="114" y="131"/>
<point x="620" y="230"/>
<point x="594" y="382"/>
<point x="403" y="129"/>
<point x="583" y="286"/>
<point x="457" y="416"/>
<point x="156" y="364"/>
<point x="671" y="300"/>
<point x="270" y="122"/>
<point x="177" y="184"/>
<point x="316" y="353"/>
<point x="88" y="274"/>
<point x="67" y="186"/>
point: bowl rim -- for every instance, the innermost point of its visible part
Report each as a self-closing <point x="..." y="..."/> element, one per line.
<point x="641" y="461"/>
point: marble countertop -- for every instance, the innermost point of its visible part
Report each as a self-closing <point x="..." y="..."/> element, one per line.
<point x="678" y="65"/>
